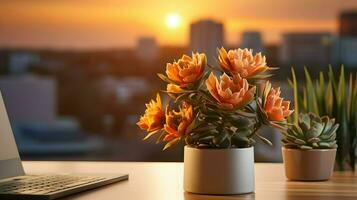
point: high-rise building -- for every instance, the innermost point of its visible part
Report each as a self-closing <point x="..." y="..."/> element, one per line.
<point x="20" y="62"/>
<point x="30" y="98"/>
<point x="348" y="38"/>
<point x="205" y="37"/>
<point x="252" y="40"/>
<point x="311" y="49"/>
<point x="147" y="49"/>
<point x="348" y="24"/>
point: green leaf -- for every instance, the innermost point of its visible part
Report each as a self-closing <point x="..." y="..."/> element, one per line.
<point x="203" y="79"/>
<point x="180" y="97"/>
<point x="166" y="79"/>
<point x="291" y="137"/>
<point x="203" y="128"/>
<point x="315" y="130"/>
<point x="313" y="140"/>
<point x="296" y="102"/>
<point x="208" y="138"/>
<point x="299" y="141"/>
<point x="298" y="131"/>
<point x="220" y="138"/>
<point x="304" y="147"/>
<point x="263" y="139"/>
<point x="304" y="100"/>
<point x="266" y="91"/>
<point x="191" y="126"/>
<point x="320" y="94"/>
<point x="310" y="92"/>
<point x="240" y="141"/>
<point x="245" y="114"/>
<point x="240" y="122"/>
<point x="325" y="145"/>
<point x="329" y="99"/>
<point x="330" y="135"/>
<point x="304" y="121"/>
<point x="151" y="134"/>
<point x="172" y="143"/>
<point x="332" y="78"/>
<point x="350" y="98"/>
<point x="161" y="137"/>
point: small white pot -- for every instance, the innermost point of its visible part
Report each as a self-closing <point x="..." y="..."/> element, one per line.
<point x="308" y="165"/>
<point x="219" y="171"/>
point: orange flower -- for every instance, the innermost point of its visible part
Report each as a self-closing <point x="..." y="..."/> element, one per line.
<point x="186" y="70"/>
<point x="177" y="122"/>
<point x="230" y="93"/>
<point x="153" y="119"/>
<point x="242" y="62"/>
<point x="275" y="107"/>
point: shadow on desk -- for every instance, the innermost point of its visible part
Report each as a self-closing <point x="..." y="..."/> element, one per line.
<point x="282" y="196"/>
<point x="191" y="196"/>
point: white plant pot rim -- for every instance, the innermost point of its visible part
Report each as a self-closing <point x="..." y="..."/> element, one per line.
<point x="292" y="149"/>
<point x="219" y="149"/>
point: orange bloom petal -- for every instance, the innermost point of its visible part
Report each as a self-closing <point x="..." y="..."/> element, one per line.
<point x="242" y="62"/>
<point x="275" y="107"/>
<point x="230" y="93"/>
<point x="186" y="70"/>
<point x="153" y="117"/>
<point x="177" y="122"/>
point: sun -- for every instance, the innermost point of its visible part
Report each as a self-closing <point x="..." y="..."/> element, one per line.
<point x="173" y="20"/>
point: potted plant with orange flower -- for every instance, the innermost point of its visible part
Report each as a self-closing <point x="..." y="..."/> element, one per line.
<point x="218" y="118"/>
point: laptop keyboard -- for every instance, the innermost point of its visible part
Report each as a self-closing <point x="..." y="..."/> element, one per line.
<point x="45" y="184"/>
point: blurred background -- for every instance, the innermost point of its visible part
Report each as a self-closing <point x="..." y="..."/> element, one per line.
<point x="75" y="74"/>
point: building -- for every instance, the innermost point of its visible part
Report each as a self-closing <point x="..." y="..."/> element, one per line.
<point x="31" y="103"/>
<point x="147" y="49"/>
<point x="348" y="38"/>
<point x="20" y="62"/>
<point x="310" y="49"/>
<point x="348" y="24"/>
<point x="125" y="88"/>
<point x="252" y="40"/>
<point x="205" y="37"/>
<point x="30" y="98"/>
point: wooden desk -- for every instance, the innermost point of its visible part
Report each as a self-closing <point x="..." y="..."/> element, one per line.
<point x="163" y="181"/>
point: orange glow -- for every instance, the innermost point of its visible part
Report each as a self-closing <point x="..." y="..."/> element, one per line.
<point x="101" y="23"/>
<point x="173" y="21"/>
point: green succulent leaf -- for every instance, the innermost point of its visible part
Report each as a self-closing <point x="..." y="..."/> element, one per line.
<point x="314" y="140"/>
<point x="263" y="139"/>
<point x="171" y="143"/>
<point x="315" y="130"/>
<point x="304" y="147"/>
<point x="151" y="134"/>
<point x="312" y="131"/>
<point x="166" y="79"/>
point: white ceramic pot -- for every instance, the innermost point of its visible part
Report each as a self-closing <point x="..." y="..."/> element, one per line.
<point x="219" y="171"/>
<point x="308" y="165"/>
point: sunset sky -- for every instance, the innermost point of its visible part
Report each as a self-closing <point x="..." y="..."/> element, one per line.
<point x="108" y="24"/>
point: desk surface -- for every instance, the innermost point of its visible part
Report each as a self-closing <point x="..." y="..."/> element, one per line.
<point x="158" y="181"/>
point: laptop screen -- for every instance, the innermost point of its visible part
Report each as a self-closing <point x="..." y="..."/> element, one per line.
<point x="10" y="163"/>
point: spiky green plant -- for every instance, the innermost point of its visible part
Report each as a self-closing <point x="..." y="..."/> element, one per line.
<point x="335" y="98"/>
<point x="311" y="132"/>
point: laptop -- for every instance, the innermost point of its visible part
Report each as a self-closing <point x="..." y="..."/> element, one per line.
<point x="15" y="184"/>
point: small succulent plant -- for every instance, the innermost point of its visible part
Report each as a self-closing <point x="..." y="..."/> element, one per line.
<point x="311" y="132"/>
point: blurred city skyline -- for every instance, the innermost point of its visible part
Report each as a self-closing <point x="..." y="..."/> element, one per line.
<point x="75" y="75"/>
<point x="118" y="24"/>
